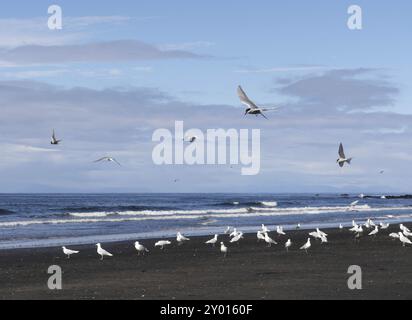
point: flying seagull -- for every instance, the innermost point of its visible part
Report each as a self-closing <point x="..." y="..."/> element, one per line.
<point x="109" y="159"/>
<point x="342" y="158"/>
<point x="252" y="108"/>
<point x="54" y="140"/>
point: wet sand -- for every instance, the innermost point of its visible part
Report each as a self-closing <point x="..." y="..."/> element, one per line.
<point x="196" y="271"/>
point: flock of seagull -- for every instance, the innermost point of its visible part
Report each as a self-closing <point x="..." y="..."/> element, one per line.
<point x="235" y="236"/>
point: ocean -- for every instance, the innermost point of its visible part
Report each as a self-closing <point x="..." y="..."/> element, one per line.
<point x="40" y="220"/>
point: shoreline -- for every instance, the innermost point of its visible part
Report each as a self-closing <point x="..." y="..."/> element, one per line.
<point x="196" y="271"/>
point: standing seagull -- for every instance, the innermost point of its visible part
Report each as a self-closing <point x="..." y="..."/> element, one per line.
<point x="404" y="239"/>
<point x="288" y="244"/>
<point x="102" y="252"/>
<point x="140" y="248"/>
<point x="342" y="158"/>
<point x="306" y="246"/>
<point x="69" y="252"/>
<point x="109" y="159"/>
<point x="181" y="238"/>
<point x="54" y="140"/>
<point x="162" y="243"/>
<point x="213" y="240"/>
<point x="223" y="249"/>
<point x="252" y="108"/>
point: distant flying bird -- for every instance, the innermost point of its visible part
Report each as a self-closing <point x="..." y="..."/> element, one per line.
<point x="102" y="252"/>
<point x="54" y="140"/>
<point x="140" y="248"/>
<point x="69" y="252"/>
<point x="252" y="108"/>
<point x="342" y="158"/>
<point x="382" y="172"/>
<point x="190" y="139"/>
<point x="109" y="159"/>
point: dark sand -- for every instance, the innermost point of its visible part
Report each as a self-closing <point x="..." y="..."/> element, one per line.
<point x="197" y="271"/>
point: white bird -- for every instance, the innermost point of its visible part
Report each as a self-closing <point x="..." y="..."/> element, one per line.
<point x="69" y="252"/>
<point x="341" y="226"/>
<point x="212" y="241"/>
<point x="403" y="228"/>
<point x="407" y="233"/>
<point x="323" y="239"/>
<point x="298" y="226"/>
<point x="223" y="249"/>
<point x="352" y="206"/>
<point x="181" y="238"/>
<point x="252" y="108"/>
<point x="265" y="229"/>
<point x="162" y="243"/>
<point x="384" y="226"/>
<point x="269" y="240"/>
<point x="228" y="230"/>
<point x="102" y="252"/>
<point x="280" y="231"/>
<point x="321" y="233"/>
<point x="54" y="140"/>
<point x="140" y="248"/>
<point x="394" y="235"/>
<point x="108" y="159"/>
<point x="306" y="246"/>
<point x="374" y="232"/>
<point x="260" y="235"/>
<point x="234" y="233"/>
<point x="237" y="237"/>
<point x="404" y="239"/>
<point x="342" y="158"/>
<point x="191" y="139"/>
<point x="288" y="244"/>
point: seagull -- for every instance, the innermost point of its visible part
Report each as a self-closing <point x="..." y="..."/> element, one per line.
<point x="237" y="237"/>
<point x="407" y="233"/>
<point x="69" y="252"/>
<point x="298" y="226"/>
<point x="102" y="252"/>
<point x="109" y="159"/>
<point x="394" y="235"/>
<point x="306" y="246"/>
<point x="340" y="227"/>
<point x="382" y="172"/>
<point x="279" y="231"/>
<point x="404" y="239"/>
<point x="403" y="228"/>
<point x="260" y="235"/>
<point x="269" y="240"/>
<point x="252" y="108"/>
<point x="265" y="229"/>
<point x="190" y="139"/>
<point x="140" y="248"/>
<point x="374" y="232"/>
<point x="288" y="244"/>
<point x="162" y="243"/>
<point x="342" y="158"/>
<point x="353" y="205"/>
<point x="234" y="233"/>
<point x="228" y="230"/>
<point x="384" y="226"/>
<point x="181" y="238"/>
<point x="223" y="249"/>
<point x="54" y="140"/>
<point x="212" y="241"/>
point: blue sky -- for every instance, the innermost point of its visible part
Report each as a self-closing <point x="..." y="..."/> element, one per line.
<point x="195" y="54"/>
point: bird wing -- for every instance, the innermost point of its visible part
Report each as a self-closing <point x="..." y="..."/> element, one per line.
<point x="101" y="159"/>
<point x="116" y="161"/>
<point x="54" y="135"/>
<point x="341" y="152"/>
<point x="245" y="100"/>
<point x="262" y="114"/>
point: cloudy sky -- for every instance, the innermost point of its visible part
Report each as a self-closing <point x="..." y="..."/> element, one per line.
<point x="118" y="71"/>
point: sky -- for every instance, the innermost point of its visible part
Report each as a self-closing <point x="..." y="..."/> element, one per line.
<point x="119" y="70"/>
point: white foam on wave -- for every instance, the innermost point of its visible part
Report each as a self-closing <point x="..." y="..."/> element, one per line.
<point x="215" y="214"/>
<point x="269" y="203"/>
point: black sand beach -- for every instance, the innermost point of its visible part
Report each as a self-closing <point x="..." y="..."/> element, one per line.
<point x="196" y="271"/>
